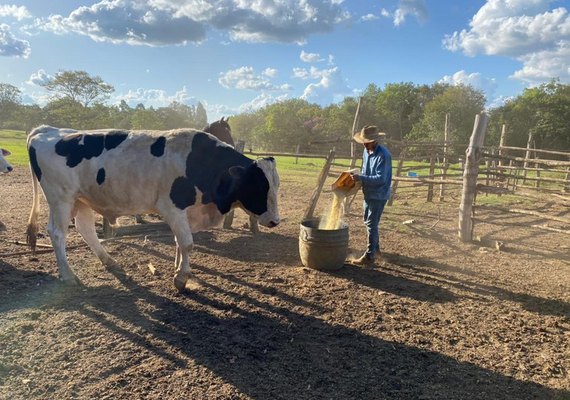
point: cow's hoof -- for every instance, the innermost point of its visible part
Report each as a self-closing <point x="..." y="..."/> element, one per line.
<point x="111" y="264"/>
<point x="180" y="282"/>
<point x="71" y="280"/>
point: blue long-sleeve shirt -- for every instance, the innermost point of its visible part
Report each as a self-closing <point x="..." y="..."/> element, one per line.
<point x="376" y="174"/>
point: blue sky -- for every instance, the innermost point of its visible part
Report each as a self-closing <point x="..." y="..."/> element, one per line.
<point x="239" y="55"/>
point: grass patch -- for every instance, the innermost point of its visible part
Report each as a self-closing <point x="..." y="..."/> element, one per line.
<point x="15" y="142"/>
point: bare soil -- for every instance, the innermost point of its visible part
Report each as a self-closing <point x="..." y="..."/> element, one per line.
<point x="436" y="319"/>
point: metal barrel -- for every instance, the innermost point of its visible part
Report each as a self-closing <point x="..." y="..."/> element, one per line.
<point x="320" y="248"/>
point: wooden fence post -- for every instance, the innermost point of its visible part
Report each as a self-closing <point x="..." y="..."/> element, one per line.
<point x="488" y="172"/>
<point x="297" y="153"/>
<point x="472" y="157"/>
<point x="398" y="173"/>
<point x="431" y="173"/>
<point x="445" y="160"/>
<point x="321" y="181"/>
<point x="502" y="143"/>
<point x="354" y="127"/>
<point x="527" y="156"/>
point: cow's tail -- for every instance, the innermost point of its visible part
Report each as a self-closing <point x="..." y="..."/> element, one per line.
<point x="32" y="230"/>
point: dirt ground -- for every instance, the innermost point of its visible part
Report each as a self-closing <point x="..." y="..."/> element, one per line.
<point x="437" y="319"/>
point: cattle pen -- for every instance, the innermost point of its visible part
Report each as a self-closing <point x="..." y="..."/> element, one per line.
<point x="437" y="318"/>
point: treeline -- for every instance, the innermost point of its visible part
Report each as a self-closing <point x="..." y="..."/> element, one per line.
<point x="405" y="111"/>
<point x="78" y="100"/>
<point x="414" y="112"/>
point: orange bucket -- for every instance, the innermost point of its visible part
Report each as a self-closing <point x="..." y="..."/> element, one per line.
<point x="345" y="183"/>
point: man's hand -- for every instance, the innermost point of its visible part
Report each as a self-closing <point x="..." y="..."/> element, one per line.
<point x="355" y="177"/>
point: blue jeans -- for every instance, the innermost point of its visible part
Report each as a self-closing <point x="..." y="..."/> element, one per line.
<point x="372" y="212"/>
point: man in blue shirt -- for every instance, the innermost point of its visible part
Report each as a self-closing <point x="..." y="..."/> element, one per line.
<point x="376" y="179"/>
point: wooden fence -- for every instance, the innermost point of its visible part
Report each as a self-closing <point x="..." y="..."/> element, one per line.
<point x="446" y="170"/>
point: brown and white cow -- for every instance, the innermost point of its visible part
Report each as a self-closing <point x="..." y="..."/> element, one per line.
<point x="187" y="176"/>
<point x="5" y="166"/>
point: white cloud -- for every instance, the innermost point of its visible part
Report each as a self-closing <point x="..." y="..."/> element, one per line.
<point x="246" y="78"/>
<point x="216" y="111"/>
<point x="18" y="12"/>
<point x="264" y="99"/>
<point x="301" y="73"/>
<point x="330" y="87"/>
<point x="525" y="30"/>
<point x="369" y="17"/>
<point x="270" y="72"/>
<point x="39" y="97"/>
<point x="10" y="46"/>
<point x="155" y="97"/>
<point x="169" y="22"/>
<point x="475" y="79"/>
<point x="543" y="65"/>
<point x="417" y="8"/>
<point x="310" y="57"/>
<point x="125" y="21"/>
<point x="385" y="13"/>
<point x="38" y="78"/>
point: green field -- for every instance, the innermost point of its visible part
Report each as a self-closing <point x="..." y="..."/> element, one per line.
<point x="290" y="168"/>
<point x="15" y="142"/>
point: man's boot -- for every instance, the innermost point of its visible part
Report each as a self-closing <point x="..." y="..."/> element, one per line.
<point x="365" y="259"/>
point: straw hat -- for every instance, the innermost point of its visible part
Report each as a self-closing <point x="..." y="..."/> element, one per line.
<point x="368" y="134"/>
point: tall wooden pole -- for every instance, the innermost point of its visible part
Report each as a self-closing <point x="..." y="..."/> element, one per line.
<point x="473" y="155"/>
<point x="309" y="213"/>
<point x="354" y="128"/>
<point x="527" y="156"/>
<point x="445" y="160"/>
<point x="502" y="143"/>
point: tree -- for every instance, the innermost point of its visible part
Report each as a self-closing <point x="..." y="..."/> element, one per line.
<point x="147" y="119"/>
<point x="397" y="104"/>
<point x="66" y="113"/>
<point x="9" y="103"/>
<point x="201" y="117"/>
<point x="244" y="125"/>
<point x="79" y="87"/>
<point x="28" y="117"/>
<point x="462" y="103"/>
<point x="543" y="111"/>
<point x="284" y="126"/>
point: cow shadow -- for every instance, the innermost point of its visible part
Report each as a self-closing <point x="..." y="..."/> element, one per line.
<point x="267" y="350"/>
<point x="15" y="286"/>
<point x="266" y="247"/>
<point x="289" y="355"/>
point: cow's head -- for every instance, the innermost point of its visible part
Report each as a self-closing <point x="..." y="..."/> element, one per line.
<point x="5" y="166"/>
<point x="256" y="189"/>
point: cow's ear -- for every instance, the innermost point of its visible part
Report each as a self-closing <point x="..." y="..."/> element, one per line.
<point x="5" y="152"/>
<point x="226" y="189"/>
<point x="237" y="172"/>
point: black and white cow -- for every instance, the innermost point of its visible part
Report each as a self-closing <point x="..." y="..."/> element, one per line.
<point x="5" y="166"/>
<point x="188" y="177"/>
<point x="221" y="129"/>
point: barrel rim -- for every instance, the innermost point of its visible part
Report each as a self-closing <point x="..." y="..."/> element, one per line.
<point x="316" y="221"/>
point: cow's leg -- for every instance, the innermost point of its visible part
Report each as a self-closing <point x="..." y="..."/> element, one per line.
<point x="253" y="224"/>
<point x="228" y="220"/>
<point x="184" y="244"/>
<point x="178" y="258"/>
<point x="59" y="218"/>
<point x="85" y="224"/>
